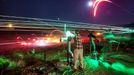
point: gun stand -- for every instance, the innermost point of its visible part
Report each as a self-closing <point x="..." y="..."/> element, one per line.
<point x="69" y="53"/>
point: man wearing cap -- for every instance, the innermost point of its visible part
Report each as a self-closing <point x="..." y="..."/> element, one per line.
<point x="78" y="51"/>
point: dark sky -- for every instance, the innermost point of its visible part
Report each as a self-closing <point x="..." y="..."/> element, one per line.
<point x="70" y="10"/>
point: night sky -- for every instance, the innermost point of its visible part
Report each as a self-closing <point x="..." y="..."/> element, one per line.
<point x="71" y="10"/>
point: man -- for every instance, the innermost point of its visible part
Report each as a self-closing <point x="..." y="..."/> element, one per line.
<point x="92" y="44"/>
<point x="78" y="51"/>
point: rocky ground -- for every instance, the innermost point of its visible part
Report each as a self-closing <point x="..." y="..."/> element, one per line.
<point x="55" y="64"/>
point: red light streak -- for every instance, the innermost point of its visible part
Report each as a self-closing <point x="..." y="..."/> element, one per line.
<point x="97" y="3"/>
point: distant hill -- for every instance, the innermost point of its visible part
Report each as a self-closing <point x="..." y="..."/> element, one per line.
<point x="131" y="25"/>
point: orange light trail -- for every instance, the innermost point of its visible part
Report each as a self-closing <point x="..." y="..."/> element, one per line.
<point x="56" y="31"/>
